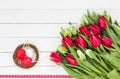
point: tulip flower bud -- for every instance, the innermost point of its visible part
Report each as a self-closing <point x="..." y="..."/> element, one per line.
<point x="67" y="40"/>
<point x="95" y="28"/>
<point x="103" y="22"/>
<point x="95" y="41"/>
<point x="84" y="18"/>
<point x="71" y="59"/>
<point x="56" y="57"/>
<point x="74" y="31"/>
<point x="80" y="42"/>
<point x="81" y="55"/>
<point x="62" y="49"/>
<point x="66" y="32"/>
<point x="106" y="41"/>
<point x="88" y="52"/>
<point x="84" y="30"/>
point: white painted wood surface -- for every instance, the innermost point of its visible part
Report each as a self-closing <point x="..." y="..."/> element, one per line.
<point x="39" y="21"/>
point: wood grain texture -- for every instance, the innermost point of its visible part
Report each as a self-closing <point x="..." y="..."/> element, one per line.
<point x="31" y="30"/>
<point x="48" y="16"/>
<point x="43" y="44"/>
<point x="35" y="70"/>
<point x="59" y="4"/>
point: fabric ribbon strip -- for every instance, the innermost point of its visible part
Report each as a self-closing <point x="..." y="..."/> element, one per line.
<point x="35" y="76"/>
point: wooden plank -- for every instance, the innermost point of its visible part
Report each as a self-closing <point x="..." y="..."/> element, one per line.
<point x="43" y="44"/>
<point x="48" y="16"/>
<point x="44" y="60"/>
<point x="31" y="30"/>
<point x="61" y="4"/>
<point x="33" y="70"/>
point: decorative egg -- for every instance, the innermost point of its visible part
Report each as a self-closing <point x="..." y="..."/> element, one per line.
<point x="21" y="53"/>
<point x="26" y="61"/>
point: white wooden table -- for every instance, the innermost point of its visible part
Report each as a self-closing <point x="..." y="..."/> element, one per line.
<point x="39" y="21"/>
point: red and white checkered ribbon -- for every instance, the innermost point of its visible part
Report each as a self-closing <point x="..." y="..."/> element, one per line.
<point x="35" y="76"/>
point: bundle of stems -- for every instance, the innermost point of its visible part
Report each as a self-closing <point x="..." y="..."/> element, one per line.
<point x="91" y="50"/>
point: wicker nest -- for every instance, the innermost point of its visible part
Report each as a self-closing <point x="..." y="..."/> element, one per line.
<point x="17" y="61"/>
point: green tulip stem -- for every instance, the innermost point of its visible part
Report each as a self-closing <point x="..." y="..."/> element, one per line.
<point x="86" y="71"/>
<point x="116" y="48"/>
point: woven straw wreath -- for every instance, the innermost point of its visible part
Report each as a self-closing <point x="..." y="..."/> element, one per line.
<point x="17" y="61"/>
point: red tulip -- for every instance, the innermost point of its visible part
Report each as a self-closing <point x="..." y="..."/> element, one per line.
<point x="80" y="42"/>
<point x="95" y="41"/>
<point x="95" y="28"/>
<point x="103" y="22"/>
<point x="67" y="40"/>
<point x="71" y="59"/>
<point x="106" y="41"/>
<point x="56" y="57"/>
<point x="84" y="30"/>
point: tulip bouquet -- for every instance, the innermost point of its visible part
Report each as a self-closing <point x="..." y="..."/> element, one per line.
<point x="93" y="50"/>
